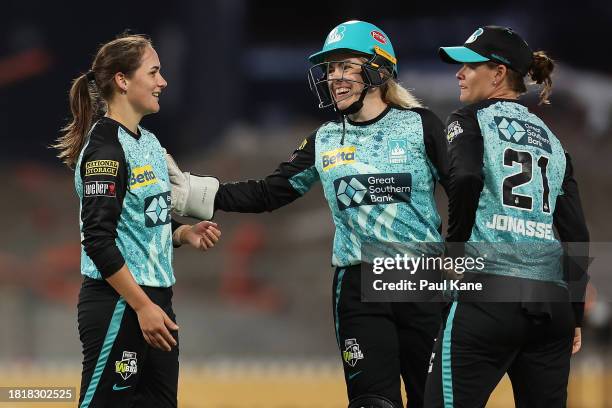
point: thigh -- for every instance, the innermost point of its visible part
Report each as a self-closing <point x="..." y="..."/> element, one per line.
<point x="113" y="350"/>
<point x="474" y="348"/>
<point x="540" y="373"/>
<point x="370" y="357"/>
<point x="417" y="325"/>
<point x="158" y="385"/>
<point x="368" y="341"/>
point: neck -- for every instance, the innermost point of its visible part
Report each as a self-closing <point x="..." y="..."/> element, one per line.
<point x="373" y="105"/>
<point x="504" y="93"/>
<point x="121" y="111"/>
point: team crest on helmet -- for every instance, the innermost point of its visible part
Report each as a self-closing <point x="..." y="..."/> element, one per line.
<point x="336" y="35"/>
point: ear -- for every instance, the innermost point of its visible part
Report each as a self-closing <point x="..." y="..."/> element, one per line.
<point x="501" y="71"/>
<point x="120" y="82"/>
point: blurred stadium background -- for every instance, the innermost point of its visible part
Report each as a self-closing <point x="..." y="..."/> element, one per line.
<point x="255" y="312"/>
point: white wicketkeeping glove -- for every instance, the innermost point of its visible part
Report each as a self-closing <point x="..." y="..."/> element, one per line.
<point x="192" y="195"/>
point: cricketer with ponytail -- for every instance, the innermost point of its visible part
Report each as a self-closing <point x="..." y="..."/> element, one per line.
<point x="506" y="163"/>
<point x="125" y="318"/>
<point x="382" y="133"/>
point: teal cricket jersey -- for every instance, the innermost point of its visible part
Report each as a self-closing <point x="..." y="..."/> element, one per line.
<point x="122" y="181"/>
<point x="507" y="172"/>
<point x="379" y="182"/>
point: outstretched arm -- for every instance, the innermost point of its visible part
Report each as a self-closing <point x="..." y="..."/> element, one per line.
<point x="290" y="180"/>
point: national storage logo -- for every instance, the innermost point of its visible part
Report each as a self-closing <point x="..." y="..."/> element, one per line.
<point x="142" y="176"/>
<point x="522" y="133"/>
<point x="337" y="157"/>
<point x="101" y="167"/>
<point x="372" y="189"/>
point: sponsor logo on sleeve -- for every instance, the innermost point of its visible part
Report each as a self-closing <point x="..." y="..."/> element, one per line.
<point x="157" y="209"/>
<point x="101" y="167"/>
<point x="99" y="188"/>
<point x="301" y="147"/>
<point x="373" y="189"/>
<point x="338" y="157"/>
<point x="142" y="176"/>
<point x="453" y="130"/>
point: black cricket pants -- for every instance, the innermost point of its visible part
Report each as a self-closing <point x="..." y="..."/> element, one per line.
<point x="119" y="368"/>
<point x="479" y="342"/>
<point x="381" y="341"/>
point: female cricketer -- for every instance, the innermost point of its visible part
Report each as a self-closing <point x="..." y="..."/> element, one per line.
<point x="125" y="318"/>
<point x="510" y="182"/>
<point x="378" y="165"/>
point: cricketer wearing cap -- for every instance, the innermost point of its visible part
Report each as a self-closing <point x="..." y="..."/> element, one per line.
<point x="510" y="183"/>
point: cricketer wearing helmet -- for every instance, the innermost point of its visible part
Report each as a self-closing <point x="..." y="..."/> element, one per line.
<point x="378" y="165"/>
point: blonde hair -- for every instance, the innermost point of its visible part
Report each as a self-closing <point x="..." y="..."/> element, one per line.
<point x="393" y="93"/>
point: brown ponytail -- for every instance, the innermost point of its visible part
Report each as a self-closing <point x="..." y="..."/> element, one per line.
<point x="540" y="73"/>
<point x="91" y="92"/>
<point x="82" y="105"/>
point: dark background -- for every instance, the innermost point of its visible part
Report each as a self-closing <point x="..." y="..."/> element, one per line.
<point x="238" y="103"/>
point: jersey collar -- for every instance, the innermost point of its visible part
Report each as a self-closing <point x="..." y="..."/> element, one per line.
<point x="128" y="131"/>
<point x="374" y="120"/>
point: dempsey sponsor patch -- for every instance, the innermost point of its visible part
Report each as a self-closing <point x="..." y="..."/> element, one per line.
<point x="142" y="176"/>
<point x="101" y="167"/>
<point x="338" y="157"/>
<point x="99" y="188"/>
<point x="372" y="189"/>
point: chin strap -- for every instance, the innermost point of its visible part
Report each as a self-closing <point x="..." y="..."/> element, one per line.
<point x="351" y="109"/>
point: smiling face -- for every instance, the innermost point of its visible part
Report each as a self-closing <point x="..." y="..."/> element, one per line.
<point x="476" y="82"/>
<point x="344" y="79"/>
<point x="146" y="84"/>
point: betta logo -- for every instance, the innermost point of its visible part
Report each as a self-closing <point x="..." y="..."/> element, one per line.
<point x="142" y="176"/>
<point x="338" y="157"/>
<point x="378" y="36"/>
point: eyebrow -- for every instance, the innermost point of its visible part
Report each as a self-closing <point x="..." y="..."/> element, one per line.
<point x="154" y="68"/>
